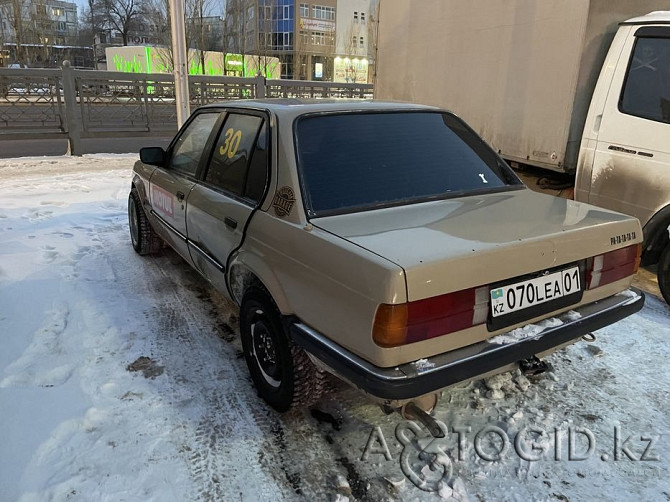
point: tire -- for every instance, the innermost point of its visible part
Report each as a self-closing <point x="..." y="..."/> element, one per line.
<point x="282" y="373"/>
<point x="144" y="239"/>
<point x="664" y="273"/>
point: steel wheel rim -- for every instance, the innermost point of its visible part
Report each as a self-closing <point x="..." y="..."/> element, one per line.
<point x="134" y="223"/>
<point x="264" y="351"/>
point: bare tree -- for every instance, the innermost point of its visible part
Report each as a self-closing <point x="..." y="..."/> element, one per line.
<point x="301" y="55"/>
<point x="196" y="29"/>
<point x="17" y="12"/>
<point x="41" y="30"/>
<point x="239" y="16"/>
<point x="122" y="15"/>
<point x="92" y="22"/>
<point x="198" y="38"/>
<point x="373" y="34"/>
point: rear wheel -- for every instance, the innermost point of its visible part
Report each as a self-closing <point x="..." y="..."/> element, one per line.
<point x="282" y="373"/>
<point x="143" y="237"/>
<point x="664" y="273"/>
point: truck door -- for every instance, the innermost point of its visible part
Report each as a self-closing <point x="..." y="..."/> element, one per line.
<point x="232" y="184"/>
<point x="631" y="167"/>
<point x="169" y="186"/>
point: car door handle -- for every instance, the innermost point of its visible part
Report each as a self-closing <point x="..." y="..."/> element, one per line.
<point x="180" y="196"/>
<point x="230" y="223"/>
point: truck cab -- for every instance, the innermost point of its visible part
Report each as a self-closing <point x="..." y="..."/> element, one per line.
<point x="624" y="159"/>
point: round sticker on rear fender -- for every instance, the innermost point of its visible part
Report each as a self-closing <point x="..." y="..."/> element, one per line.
<point x="283" y="201"/>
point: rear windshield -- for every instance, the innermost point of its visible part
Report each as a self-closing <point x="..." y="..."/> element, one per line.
<point x="356" y="161"/>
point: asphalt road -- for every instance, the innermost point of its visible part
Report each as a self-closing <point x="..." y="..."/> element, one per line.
<point x="46" y="147"/>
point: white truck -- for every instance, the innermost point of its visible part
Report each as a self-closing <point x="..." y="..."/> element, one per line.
<point x="576" y="86"/>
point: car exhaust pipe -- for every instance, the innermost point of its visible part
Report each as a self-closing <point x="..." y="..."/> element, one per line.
<point x="420" y="410"/>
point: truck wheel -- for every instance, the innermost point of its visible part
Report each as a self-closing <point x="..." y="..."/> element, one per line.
<point x="143" y="237"/>
<point x="664" y="273"/>
<point x="282" y="373"/>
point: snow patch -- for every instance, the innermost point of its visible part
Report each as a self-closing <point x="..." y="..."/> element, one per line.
<point x="423" y="365"/>
<point x="628" y="293"/>
<point x="41" y="364"/>
<point x="572" y="315"/>
<point x="524" y="332"/>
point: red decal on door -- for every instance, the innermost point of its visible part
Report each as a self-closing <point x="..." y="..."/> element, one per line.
<point x="162" y="201"/>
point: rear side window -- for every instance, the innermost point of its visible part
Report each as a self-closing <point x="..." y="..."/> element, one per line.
<point x="646" y="90"/>
<point x="258" y="168"/>
<point x="233" y="150"/>
<point x="356" y="161"/>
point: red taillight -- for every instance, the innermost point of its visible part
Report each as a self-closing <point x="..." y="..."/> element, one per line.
<point x="419" y="320"/>
<point x="610" y="267"/>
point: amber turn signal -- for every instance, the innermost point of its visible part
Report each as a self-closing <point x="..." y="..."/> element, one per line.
<point x="390" y="326"/>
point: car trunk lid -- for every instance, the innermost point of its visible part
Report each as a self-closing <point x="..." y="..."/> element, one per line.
<point x="456" y="244"/>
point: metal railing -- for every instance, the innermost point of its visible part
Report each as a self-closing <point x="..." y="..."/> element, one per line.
<point x="31" y="102"/>
<point x="76" y="104"/>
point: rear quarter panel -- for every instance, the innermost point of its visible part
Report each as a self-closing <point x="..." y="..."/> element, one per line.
<point x="330" y="284"/>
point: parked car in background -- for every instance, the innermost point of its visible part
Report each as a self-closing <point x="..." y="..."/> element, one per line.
<point x="624" y="160"/>
<point x="384" y="243"/>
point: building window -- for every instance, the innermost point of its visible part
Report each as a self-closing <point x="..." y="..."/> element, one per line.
<point x="304" y="37"/>
<point x="362" y="17"/>
<point x="304" y="10"/>
<point x="318" y="38"/>
<point x="354" y="41"/>
<point x="355" y="15"/>
<point x="57" y="12"/>
<point x="287" y="12"/>
<point x="322" y="12"/>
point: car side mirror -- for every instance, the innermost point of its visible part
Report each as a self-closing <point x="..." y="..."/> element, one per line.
<point x="152" y="155"/>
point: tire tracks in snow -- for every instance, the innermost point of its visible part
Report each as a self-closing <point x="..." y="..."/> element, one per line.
<point x="231" y="435"/>
<point x="208" y="387"/>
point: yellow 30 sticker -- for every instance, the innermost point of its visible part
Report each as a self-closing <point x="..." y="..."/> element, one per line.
<point x="231" y="143"/>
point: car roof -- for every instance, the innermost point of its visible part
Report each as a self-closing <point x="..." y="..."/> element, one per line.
<point x="656" y="17"/>
<point x="293" y="107"/>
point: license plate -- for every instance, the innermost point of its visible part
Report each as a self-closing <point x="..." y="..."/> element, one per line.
<point x="526" y="294"/>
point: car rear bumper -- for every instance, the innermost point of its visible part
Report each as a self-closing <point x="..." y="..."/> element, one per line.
<point x="414" y="379"/>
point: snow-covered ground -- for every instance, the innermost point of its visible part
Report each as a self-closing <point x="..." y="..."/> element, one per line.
<point x="121" y="378"/>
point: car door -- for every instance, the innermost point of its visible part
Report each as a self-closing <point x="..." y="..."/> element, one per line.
<point x="170" y="186"/>
<point x="631" y="166"/>
<point x="233" y="182"/>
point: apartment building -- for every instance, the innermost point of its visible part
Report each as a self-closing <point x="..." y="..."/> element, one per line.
<point x="30" y="29"/>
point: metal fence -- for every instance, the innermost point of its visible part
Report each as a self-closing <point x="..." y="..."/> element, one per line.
<point x="75" y="104"/>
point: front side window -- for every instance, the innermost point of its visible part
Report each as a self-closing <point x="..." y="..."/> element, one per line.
<point x="233" y="150"/>
<point x="189" y="146"/>
<point x="646" y="90"/>
<point x="356" y="161"/>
